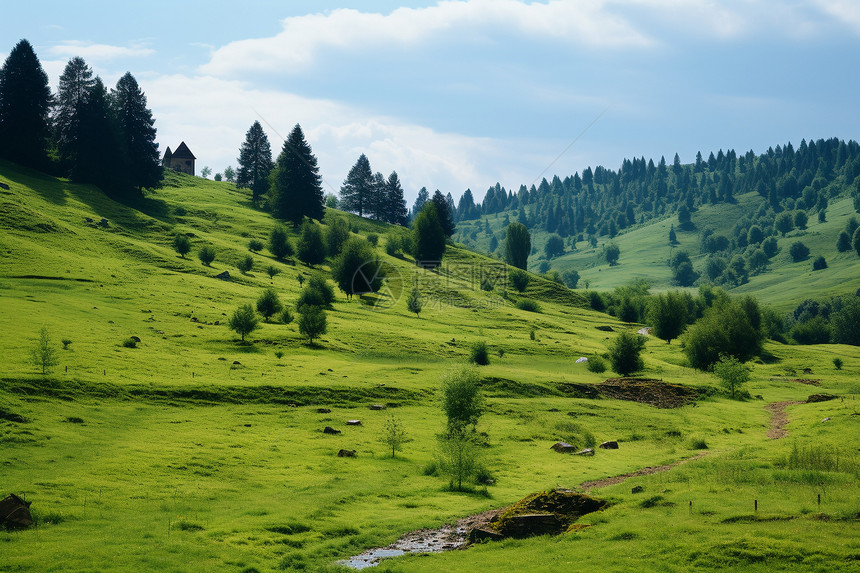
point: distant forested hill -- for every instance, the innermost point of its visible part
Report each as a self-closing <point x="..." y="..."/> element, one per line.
<point x="784" y="189"/>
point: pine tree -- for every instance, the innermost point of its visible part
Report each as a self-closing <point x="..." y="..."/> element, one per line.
<point x="397" y="214"/>
<point x="296" y="182"/>
<point x="356" y="191"/>
<point x="25" y="100"/>
<point x="75" y="85"/>
<point x="378" y="207"/>
<point x="100" y="157"/>
<point x="443" y="211"/>
<point x="420" y="201"/>
<point x="137" y="133"/>
<point x="255" y="162"/>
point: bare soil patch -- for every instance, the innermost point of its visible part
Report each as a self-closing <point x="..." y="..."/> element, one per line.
<point x="649" y="391"/>
<point x="587" y="485"/>
<point x="778" y="419"/>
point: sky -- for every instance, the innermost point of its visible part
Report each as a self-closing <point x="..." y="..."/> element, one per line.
<point x="463" y="94"/>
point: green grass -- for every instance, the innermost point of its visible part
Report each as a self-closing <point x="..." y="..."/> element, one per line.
<point x="645" y="252"/>
<point x="169" y="456"/>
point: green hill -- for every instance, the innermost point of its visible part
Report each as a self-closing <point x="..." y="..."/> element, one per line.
<point x="191" y="451"/>
<point x="645" y="253"/>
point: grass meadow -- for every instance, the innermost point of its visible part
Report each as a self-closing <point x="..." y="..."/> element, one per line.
<point x="193" y="452"/>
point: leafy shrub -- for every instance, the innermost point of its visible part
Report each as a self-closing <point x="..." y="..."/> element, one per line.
<point x="207" y="255"/>
<point x="279" y="354"/>
<point x="624" y="353"/>
<point x="373" y="239"/>
<point x="244" y="321"/>
<point x="272" y="271"/>
<point x="729" y="327"/>
<point x="286" y="316"/>
<point x="246" y="264"/>
<point x="528" y="304"/>
<point x="570" y="278"/>
<point x="312" y="322"/>
<point x="269" y="304"/>
<point x="279" y="244"/>
<point x="843" y="243"/>
<point x="479" y="354"/>
<point x="357" y="269"/>
<point x="812" y="331"/>
<point x="519" y="279"/>
<point x="311" y="248"/>
<point x="732" y="374"/>
<point x="255" y="245"/>
<point x="336" y="235"/>
<point x="798" y="251"/>
<point x="837" y="363"/>
<point x="181" y="245"/>
<point x="129" y="343"/>
<point x="532" y="333"/>
<point x="820" y="263"/>
<point x="596" y="364"/>
<point x="596" y="301"/>
<point x="66" y="343"/>
<point x="698" y="444"/>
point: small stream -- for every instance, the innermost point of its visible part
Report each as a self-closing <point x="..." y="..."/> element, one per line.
<point x="446" y="538"/>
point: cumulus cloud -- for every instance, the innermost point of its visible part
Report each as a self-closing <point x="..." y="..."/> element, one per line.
<point x="214" y="127"/>
<point x="98" y="52"/>
<point x="345" y="30"/>
<point x="846" y="11"/>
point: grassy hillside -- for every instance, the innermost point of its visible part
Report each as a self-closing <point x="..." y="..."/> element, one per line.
<point x="193" y="452"/>
<point x="645" y="252"/>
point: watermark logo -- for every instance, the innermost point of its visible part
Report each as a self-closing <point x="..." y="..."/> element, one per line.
<point x="381" y="285"/>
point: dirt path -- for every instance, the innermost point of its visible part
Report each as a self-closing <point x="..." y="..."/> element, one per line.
<point x="778" y="419"/>
<point x="643" y="472"/>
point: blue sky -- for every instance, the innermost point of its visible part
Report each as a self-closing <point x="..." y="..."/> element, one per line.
<point x="466" y="93"/>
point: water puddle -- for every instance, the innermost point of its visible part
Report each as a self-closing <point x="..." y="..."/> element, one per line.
<point x="446" y="538"/>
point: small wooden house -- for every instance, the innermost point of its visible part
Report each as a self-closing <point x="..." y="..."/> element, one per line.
<point x="180" y="160"/>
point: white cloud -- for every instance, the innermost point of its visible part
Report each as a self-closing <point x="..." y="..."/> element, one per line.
<point x="846" y="11"/>
<point x="212" y="116"/>
<point x="345" y="30"/>
<point x="98" y="52"/>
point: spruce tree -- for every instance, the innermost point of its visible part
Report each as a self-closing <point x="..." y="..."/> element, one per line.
<point x="255" y="162"/>
<point x="25" y="100"/>
<point x="137" y="134"/>
<point x="443" y="210"/>
<point x="75" y="85"/>
<point x="397" y="213"/>
<point x="296" y="182"/>
<point x="378" y="207"/>
<point x="100" y="158"/>
<point x="356" y="191"/>
<point x="420" y="201"/>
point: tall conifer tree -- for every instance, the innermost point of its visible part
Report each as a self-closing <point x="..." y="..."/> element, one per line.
<point x="75" y="85"/>
<point x="255" y="162"/>
<point x="443" y="210"/>
<point x="137" y="134"/>
<point x="296" y="182"/>
<point x="356" y="191"/>
<point x="397" y="214"/>
<point x="25" y="101"/>
<point x="100" y="158"/>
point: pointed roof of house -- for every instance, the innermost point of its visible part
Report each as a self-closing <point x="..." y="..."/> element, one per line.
<point x="167" y="153"/>
<point x="183" y="152"/>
